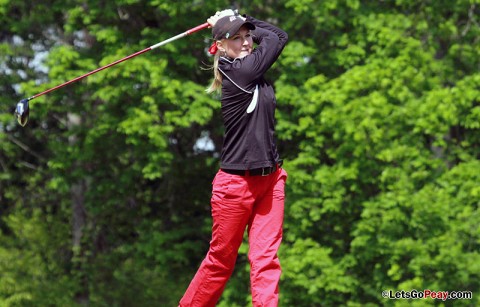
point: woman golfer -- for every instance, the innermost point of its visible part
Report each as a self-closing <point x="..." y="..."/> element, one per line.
<point x="248" y="190"/>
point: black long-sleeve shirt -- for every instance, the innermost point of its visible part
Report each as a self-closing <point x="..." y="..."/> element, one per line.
<point x="249" y="139"/>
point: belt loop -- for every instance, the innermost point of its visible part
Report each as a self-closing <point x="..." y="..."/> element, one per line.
<point x="263" y="172"/>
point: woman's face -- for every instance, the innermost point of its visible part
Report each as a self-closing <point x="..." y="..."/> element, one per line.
<point x="239" y="45"/>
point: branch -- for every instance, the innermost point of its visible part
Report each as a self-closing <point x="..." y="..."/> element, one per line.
<point x="24" y="147"/>
<point x="471" y="19"/>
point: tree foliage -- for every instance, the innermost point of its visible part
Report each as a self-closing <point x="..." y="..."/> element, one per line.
<point x="105" y="194"/>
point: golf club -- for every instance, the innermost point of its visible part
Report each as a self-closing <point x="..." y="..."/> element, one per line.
<point x="22" y="109"/>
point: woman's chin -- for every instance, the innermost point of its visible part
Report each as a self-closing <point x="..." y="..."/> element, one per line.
<point x="243" y="54"/>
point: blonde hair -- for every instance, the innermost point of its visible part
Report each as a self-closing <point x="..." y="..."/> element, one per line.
<point x="216" y="84"/>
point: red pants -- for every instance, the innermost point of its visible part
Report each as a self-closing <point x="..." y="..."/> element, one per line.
<point x="238" y="201"/>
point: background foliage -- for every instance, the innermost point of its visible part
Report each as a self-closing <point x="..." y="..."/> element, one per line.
<point x="105" y="194"/>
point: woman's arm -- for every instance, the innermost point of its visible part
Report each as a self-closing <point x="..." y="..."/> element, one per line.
<point x="282" y="35"/>
<point x="270" y="42"/>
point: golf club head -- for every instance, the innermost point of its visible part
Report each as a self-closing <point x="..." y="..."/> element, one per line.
<point x="22" y="111"/>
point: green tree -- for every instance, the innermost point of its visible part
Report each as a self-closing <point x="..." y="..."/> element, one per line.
<point x="379" y="136"/>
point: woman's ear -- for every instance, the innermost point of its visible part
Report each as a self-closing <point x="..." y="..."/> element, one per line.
<point x="220" y="46"/>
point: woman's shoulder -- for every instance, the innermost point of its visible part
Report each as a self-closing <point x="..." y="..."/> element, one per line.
<point x="227" y="63"/>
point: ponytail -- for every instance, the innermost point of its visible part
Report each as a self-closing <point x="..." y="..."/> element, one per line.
<point x="216" y="84"/>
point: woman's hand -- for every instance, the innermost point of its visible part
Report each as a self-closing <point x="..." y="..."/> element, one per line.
<point x="218" y="15"/>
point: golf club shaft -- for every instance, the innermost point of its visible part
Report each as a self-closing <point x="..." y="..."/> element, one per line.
<point x="188" y="32"/>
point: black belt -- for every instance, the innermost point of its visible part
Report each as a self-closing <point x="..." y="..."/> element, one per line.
<point x="263" y="171"/>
